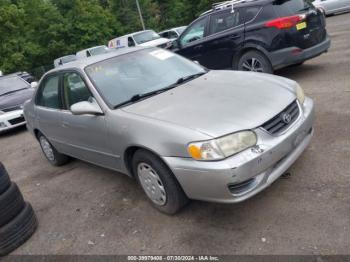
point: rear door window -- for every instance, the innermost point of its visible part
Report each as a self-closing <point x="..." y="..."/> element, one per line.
<point x="290" y="7"/>
<point x="48" y="95"/>
<point x="165" y="34"/>
<point x="225" y="20"/>
<point x="172" y="34"/>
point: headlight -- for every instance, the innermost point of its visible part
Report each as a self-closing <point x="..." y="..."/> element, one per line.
<point x="222" y="147"/>
<point x="300" y="94"/>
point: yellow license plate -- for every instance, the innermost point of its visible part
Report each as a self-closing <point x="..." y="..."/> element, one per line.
<point x="301" y="25"/>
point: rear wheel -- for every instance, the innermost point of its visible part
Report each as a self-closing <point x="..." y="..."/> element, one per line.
<point x="158" y="182"/>
<point x="54" y="157"/>
<point x="255" y="61"/>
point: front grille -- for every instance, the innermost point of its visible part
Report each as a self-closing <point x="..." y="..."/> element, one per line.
<point x="9" y="109"/>
<point x="283" y="120"/>
<point x="17" y="120"/>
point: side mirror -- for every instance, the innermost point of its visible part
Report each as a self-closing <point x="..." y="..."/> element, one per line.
<point x="86" y="108"/>
<point x="34" y="84"/>
<point x="195" y="61"/>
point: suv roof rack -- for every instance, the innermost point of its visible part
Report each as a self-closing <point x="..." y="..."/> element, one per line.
<point x="225" y="4"/>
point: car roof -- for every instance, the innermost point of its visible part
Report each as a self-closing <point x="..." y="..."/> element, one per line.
<point x="84" y="62"/>
<point x="131" y="34"/>
<point x="236" y="3"/>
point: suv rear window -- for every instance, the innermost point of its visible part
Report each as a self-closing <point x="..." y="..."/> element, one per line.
<point x="290" y="7"/>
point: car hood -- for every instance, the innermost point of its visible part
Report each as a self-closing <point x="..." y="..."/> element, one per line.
<point x="220" y="102"/>
<point x="15" y="99"/>
<point x="156" y="42"/>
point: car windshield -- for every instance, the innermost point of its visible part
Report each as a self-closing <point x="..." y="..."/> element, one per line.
<point x="123" y="77"/>
<point x="144" y="37"/>
<point x="99" y="50"/>
<point x="11" y="84"/>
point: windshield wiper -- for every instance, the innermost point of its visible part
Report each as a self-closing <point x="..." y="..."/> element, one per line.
<point x="190" y="77"/>
<point x="138" y="97"/>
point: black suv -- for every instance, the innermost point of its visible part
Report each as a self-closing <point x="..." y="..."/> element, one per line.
<point x="255" y="35"/>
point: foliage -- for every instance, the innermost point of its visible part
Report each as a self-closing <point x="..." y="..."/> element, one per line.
<point x="35" y="32"/>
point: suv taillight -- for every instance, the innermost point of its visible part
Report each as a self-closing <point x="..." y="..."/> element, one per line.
<point x="285" y="22"/>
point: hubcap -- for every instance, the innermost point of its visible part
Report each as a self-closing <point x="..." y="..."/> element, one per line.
<point x="151" y="184"/>
<point x="253" y="65"/>
<point x="45" y="145"/>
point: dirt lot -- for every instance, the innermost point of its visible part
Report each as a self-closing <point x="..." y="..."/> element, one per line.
<point x="83" y="209"/>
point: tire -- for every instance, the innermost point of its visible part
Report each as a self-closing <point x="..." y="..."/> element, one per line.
<point x="11" y="204"/>
<point x="18" y="231"/>
<point x="4" y="179"/>
<point x="50" y="152"/>
<point x="255" y="61"/>
<point x="150" y="171"/>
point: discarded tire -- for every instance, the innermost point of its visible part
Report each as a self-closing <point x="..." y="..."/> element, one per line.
<point x="11" y="204"/>
<point x="19" y="230"/>
<point x="4" y="179"/>
<point x="17" y="219"/>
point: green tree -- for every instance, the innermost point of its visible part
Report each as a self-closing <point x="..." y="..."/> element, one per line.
<point x="35" y="32"/>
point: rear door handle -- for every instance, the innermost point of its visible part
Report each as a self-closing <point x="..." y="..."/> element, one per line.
<point x="65" y="124"/>
<point x="235" y="36"/>
<point x="198" y="47"/>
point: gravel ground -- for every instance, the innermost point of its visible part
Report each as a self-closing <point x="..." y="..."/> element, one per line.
<point x="84" y="209"/>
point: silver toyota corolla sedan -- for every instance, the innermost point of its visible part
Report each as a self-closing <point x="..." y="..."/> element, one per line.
<point x="182" y="131"/>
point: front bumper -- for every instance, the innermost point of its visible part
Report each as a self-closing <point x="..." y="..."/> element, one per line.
<point x="288" y="56"/>
<point x="11" y="120"/>
<point x="242" y="176"/>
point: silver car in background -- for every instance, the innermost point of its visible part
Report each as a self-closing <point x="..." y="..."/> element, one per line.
<point x="173" y="33"/>
<point x="14" y="92"/>
<point x="182" y="131"/>
<point x="330" y="7"/>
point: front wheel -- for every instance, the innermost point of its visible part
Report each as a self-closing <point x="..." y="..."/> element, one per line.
<point x="255" y="61"/>
<point x="52" y="155"/>
<point x="158" y="182"/>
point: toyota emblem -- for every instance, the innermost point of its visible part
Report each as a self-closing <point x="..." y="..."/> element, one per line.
<point x="287" y="118"/>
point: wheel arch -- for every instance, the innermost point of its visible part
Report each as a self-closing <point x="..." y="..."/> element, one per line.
<point x="248" y="47"/>
<point x="130" y="152"/>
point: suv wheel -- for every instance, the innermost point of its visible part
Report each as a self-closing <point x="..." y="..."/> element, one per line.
<point x="255" y="61"/>
<point x="54" y="157"/>
<point x="158" y="182"/>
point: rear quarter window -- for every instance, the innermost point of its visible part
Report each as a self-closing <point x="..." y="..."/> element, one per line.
<point x="290" y="7"/>
<point x="250" y="12"/>
<point x="267" y="13"/>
